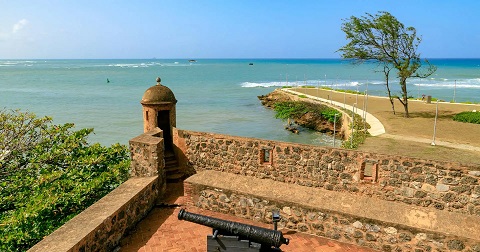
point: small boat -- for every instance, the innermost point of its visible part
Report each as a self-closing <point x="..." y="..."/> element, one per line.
<point x="191" y="61"/>
<point x="250" y="64"/>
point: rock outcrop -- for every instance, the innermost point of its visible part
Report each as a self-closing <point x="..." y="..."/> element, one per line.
<point x="308" y="120"/>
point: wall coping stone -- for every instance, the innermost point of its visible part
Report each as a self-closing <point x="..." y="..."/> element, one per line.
<point x="451" y="223"/>
<point x="93" y="218"/>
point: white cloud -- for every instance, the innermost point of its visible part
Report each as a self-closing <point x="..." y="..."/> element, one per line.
<point x="19" y="25"/>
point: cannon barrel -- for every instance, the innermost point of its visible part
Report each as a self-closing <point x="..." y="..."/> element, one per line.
<point x="255" y="234"/>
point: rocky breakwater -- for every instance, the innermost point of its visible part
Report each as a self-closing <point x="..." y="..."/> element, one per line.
<point x="311" y="118"/>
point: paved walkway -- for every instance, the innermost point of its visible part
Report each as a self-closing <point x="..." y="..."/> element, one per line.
<point x="430" y="141"/>
<point x="376" y="127"/>
<point x="162" y="231"/>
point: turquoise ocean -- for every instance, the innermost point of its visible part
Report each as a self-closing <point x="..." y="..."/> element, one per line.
<point x="214" y="95"/>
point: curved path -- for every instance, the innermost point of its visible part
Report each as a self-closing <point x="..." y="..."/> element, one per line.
<point x="376" y="127"/>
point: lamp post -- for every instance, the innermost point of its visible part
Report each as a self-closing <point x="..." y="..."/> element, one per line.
<point x="454" y="90"/>
<point x="435" y="125"/>
<point x="334" y="129"/>
<point x="353" y="124"/>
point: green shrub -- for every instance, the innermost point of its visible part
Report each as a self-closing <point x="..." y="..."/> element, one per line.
<point x="468" y="117"/>
<point x="285" y="110"/>
<point x="49" y="173"/>
<point x="291" y="109"/>
<point x="358" y="138"/>
<point x="302" y="96"/>
<point x="469" y="102"/>
<point x="360" y="133"/>
<point x="348" y="91"/>
<point x="330" y="113"/>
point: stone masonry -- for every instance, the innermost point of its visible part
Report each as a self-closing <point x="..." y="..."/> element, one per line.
<point x="430" y="184"/>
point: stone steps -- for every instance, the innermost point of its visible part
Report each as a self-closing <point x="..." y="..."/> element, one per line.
<point x="172" y="170"/>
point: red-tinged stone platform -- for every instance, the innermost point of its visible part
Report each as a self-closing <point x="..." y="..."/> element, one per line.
<point x="162" y="231"/>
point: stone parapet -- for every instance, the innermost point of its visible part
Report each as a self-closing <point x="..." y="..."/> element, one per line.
<point x="428" y="184"/>
<point x="374" y="223"/>
<point x="147" y="154"/>
<point x="101" y="226"/>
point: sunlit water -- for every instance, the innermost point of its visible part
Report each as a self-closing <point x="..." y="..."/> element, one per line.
<point x="213" y="95"/>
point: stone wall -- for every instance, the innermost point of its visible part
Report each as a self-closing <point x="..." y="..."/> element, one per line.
<point x="322" y="221"/>
<point x="147" y="157"/>
<point x="101" y="226"/>
<point x="429" y="184"/>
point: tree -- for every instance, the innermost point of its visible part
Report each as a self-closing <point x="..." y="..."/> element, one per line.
<point x="386" y="68"/>
<point x="382" y="38"/>
<point x="48" y="174"/>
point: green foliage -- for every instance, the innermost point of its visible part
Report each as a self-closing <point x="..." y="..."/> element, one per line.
<point x="358" y="138"/>
<point x="329" y="114"/>
<point x="348" y="91"/>
<point x="48" y="174"/>
<point x="469" y="102"/>
<point x="468" y="117"/>
<point x="382" y="38"/>
<point x="360" y="133"/>
<point x="302" y="96"/>
<point x="285" y="110"/>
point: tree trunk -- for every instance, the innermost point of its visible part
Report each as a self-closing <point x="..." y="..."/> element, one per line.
<point x="390" y="97"/>
<point x="403" y="84"/>
<point x="386" y="72"/>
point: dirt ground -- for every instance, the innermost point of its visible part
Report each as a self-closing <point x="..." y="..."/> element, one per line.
<point x="413" y="136"/>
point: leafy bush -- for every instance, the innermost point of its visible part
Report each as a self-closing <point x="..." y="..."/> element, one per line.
<point x="290" y="109"/>
<point x="468" y="117"/>
<point x="348" y="91"/>
<point x="285" y="110"/>
<point x="354" y="141"/>
<point x="360" y="133"/>
<point x="330" y="113"/>
<point x="48" y="174"/>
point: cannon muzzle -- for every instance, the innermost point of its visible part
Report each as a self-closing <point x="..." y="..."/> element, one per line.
<point x="260" y="235"/>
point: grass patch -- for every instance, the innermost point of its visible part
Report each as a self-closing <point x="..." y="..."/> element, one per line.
<point x="295" y="110"/>
<point x="468" y="117"/>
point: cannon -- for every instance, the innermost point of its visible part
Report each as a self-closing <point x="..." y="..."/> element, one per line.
<point x="266" y="238"/>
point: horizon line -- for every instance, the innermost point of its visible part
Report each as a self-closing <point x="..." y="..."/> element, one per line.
<point x="224" y="58"/>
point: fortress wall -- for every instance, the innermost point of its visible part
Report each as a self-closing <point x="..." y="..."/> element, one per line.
<point x="378" y="224"/>
<point x="101" y="226"/>
<point x="428" y="184"/>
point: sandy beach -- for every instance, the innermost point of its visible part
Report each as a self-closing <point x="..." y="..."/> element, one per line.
<point x="454" y="141"/>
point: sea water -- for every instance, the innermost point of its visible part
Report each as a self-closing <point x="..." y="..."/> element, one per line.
<point x="214" y="95"/>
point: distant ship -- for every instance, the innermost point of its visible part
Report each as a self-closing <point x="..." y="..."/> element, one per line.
<point x="251" y="64"/>
<point x="192" y="61"/>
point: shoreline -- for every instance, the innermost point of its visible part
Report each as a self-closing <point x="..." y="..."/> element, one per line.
<point x="419" y="127"/>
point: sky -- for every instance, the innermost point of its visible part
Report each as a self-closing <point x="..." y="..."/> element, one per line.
<point x="193" y="29"/>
